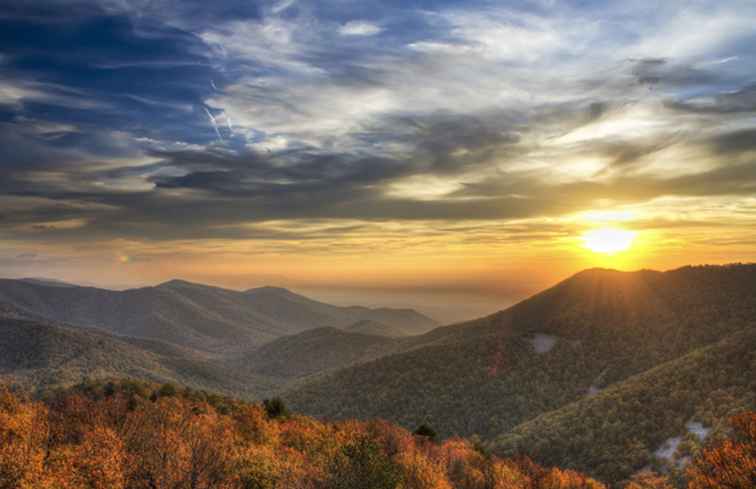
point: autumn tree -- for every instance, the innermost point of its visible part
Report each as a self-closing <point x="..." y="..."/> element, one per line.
<point x="23" y="440"/>
<point x="647" y="479"/>
<point x="568" y="479"/>
<point x="732" y="463"/>
<point x="98" y="462"/>
<point x="362" y="463"/>
<point x="112" y="436"/>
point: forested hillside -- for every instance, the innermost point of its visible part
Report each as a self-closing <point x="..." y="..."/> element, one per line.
<point x="658" y="418"/>
<point x="129" y="435"/>
<point x="565" y="344"/>
<point x="368" y="326"/>
<point x="41" y="355"/>
<point x="314" y="351"/>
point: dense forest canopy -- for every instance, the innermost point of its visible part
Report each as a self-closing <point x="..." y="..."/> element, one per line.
<point x="131" y="435"/>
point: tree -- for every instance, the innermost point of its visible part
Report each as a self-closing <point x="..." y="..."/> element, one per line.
<point x="420" y="472"/>
<point x="648" y="480"/>
<point x="259" y="467"/>
<point x="362" y="463"/>
<point x="209" y="439"/>
<point x="80" y="439"/>
<point x="568" y="479"/>
<point x="99" y="461"/>
<point x="730" y="464"/>
<point x="167" y="390"/>
<point x="275" y="408"/>
<point x="23" y="437"/>
<point x="426" y="431"/>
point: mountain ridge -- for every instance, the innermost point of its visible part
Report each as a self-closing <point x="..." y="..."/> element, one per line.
<point x="50" y="355"/>
<point x="587" y="332"/>
<point x="199" y="316"/>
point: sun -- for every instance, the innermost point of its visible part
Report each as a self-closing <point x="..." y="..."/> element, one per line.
<point x="608" y="240"/>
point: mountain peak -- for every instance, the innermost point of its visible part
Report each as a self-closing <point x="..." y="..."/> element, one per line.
<point x="177" y="282"/>
<point x="269" y="289"/>
<point x="50" y="282"/>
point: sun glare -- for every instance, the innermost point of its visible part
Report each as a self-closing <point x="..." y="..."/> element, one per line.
<point x="608" y="240"/>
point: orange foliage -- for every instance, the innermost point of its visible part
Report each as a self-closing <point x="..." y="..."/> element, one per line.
<point x="649" y="480"/>
<point x="568" y="479"/>
<point x="732" y="463"/>
<point x="86" y="440"/>
<point x="98" y="462"/>
<point x="23" y="435"/>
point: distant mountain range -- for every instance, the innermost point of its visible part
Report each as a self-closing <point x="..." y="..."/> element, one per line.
<point x="198" y="316"/>
<point x="368" y="326"/>
<point x="47" y="281"/>
<point x="639" y="365"/>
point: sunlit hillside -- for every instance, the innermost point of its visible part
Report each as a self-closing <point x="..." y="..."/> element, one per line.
<point x="134" y="435"/>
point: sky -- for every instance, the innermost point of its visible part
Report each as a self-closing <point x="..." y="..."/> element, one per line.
<point x="454" y="156"/>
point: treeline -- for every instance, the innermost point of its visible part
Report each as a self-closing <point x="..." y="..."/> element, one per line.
<point x="130" y="435"/>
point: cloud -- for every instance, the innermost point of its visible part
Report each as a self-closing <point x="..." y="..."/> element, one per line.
<point x="109" y="72"/>
<point x="359" y="28"/>
<point x="742" y="100"/>
<point x="676" y="32"/>
<point x="417" y="116"/>
<point x="653" y="71"/>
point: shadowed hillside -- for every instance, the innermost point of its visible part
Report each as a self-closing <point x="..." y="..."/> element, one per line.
<point x="314" y="351"/>
<point x="42" y="354"/>
<point x="367" y="326"/>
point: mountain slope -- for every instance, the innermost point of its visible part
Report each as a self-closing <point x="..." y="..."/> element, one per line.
<point x="47" y="281"/>
<point x="590" y="331"/>
<point x="314" y="351"/>
<point x="297" y="309"/>
<point x="370" y="327"/>
<point x="43" y="354"/>
<point x="627" y="426"/>
<point x="193" y="315"/>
